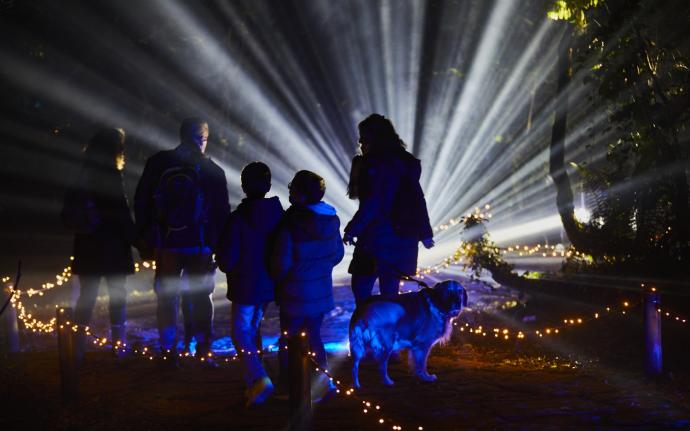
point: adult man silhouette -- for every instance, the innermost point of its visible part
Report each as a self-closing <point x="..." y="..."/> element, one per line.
<point x="181" y="204"/>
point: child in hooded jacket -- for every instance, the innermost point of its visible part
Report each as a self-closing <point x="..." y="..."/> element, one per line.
<point x="244" y="256"/>
<point x="307" y="247"/>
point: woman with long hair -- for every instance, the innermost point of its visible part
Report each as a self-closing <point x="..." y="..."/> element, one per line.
<point x="96" y="208"/>
<point x="392" y="216"/>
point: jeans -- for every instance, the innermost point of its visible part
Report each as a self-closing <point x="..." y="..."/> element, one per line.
<point x="362" y="285"/>
<point x="294" y="325"/>
<point x="117" y="301"/>
<point x="198" y="270"/>
<point x="245" y="326"/>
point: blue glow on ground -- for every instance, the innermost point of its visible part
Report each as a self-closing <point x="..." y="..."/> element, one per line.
<point x="224" y="346"/>
<point x="338" y="346"/>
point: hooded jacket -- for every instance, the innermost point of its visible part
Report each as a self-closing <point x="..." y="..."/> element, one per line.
<point x="244" y="250"/>
<point x="307" y="248"/>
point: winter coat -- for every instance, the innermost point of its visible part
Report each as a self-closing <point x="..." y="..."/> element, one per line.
<point x="106" y="250"/>
<point x="244" y="250"/>
<point x="215" y="197"/>
<point x="392" y="215"/>
<point x="307" y="248"/>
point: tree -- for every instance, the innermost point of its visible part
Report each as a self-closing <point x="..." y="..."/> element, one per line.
<point x="633" y="54"/>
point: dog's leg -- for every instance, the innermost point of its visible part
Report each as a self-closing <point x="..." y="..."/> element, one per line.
<point x="383" y="366"/>
<point x="419" y="357"/>
<point x="357" y="350"/>
<point x="355" y="370"/>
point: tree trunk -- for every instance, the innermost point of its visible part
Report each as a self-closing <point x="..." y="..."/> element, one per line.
<point x="557" y="170"/>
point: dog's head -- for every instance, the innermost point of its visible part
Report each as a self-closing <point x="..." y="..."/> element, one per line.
<point x="450" y="297"/>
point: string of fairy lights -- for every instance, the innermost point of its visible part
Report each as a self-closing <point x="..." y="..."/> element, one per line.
<point x="35" y="325"/>
<point x="369" y="408"/>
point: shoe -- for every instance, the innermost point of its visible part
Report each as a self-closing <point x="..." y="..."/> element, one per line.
<point x="323" y="389"/>
<point x="259" y="392"/>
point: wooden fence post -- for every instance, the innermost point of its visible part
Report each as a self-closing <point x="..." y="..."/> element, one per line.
<point x="299" y="366"/>
<point x="9" y="326"/>
<point x="652" y="323"/>
<point x="69" y="378"/>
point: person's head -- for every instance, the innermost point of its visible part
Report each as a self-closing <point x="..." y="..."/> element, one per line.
<point x="106" y="149"/>
<point x="377" y="135"/>
<point x="194" y="130"/>
<point x="256" y="180"/>
<point x="306" y="188"/>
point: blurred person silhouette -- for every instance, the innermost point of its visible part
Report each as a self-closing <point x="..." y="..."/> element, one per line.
<point x="181" y="204"/>
<point x="392" y="215"/>
<point x="96" y="209"/>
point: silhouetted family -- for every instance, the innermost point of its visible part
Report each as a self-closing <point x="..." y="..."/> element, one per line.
<point x="183" y="221"/>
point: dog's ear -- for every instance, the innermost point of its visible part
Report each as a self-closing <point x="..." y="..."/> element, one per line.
<point x="464" y="297"/>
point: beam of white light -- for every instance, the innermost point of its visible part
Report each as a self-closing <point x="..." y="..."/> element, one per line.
<point x="503" y="235"/>
<point x="369" y="58"/>
<point x="491" y="38"/>
<point x="293" y="148"/>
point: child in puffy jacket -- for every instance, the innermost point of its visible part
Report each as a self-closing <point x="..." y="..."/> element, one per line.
<point x="244" y="255"/>
<point x="307" y="247"/>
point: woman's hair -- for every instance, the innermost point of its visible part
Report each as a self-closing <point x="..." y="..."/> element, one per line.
<point x="309" y="185"/>
<point x="256" y="179"/>
<point x="103" y="149"/>
<point x="354" y="185"/>
<point x="384" y="138"/>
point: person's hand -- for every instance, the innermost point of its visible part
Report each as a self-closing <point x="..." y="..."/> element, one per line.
<point x="348" y="239"/>
<point x="428" y="243"/>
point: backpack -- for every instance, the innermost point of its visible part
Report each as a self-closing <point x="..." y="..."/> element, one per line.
<point x="79" y="213"/>
<point x="179" y="200"/>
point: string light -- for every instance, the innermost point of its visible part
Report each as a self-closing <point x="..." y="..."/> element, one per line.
<point x="42" y="326"/>
<point x="506" y="334"/>
<point x="367" y="406"/>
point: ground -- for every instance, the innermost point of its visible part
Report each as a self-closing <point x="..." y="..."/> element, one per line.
<point x="586" y="377"/>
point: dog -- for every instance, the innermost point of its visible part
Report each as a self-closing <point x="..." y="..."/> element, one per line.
<point x="384" y="324"/>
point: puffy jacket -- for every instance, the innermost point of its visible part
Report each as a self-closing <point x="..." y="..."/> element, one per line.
<point x="215" y="191"/>
<point x="106" y="250"/>
<point x="244" y="250"/>
<point x="307" y="248"/>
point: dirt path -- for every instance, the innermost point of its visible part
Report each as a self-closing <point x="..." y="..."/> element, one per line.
<point x="475" y="390"/>
<point x="585" y="379"/>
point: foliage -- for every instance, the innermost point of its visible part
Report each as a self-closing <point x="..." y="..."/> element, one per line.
<point x="481" y="252"/>
<point x="572" y="11"/>
<point x="635" y="60"/>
